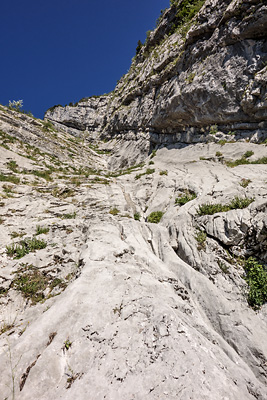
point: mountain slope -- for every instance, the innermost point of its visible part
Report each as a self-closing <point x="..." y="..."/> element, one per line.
<point x="115" y="306"/>
<point x="148" y="281"/>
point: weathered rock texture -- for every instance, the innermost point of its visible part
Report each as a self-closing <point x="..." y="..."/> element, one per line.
<point x="209" y="72"/>
<point x="128" y="309"/>
<point x="109" y="305"/>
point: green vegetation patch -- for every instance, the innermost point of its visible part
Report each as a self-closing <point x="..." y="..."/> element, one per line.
<point x="43" y="174"/>
<point x="155" y="217"/>
<point x="68" y="216"/>
<point x="244" y="160"/>
<point x="245" y="182"/>
<point x="183" y="199"/>
<point x="235" y="203"/>
<point x="137" y="216"/>
<point x="186" y="11"/>
<point x="256" y="278"/>
<point x="149" y="171"/>
<point x="114" y="211"/>
<point x="9" y="178"/>
<point x="13" y="166"/>
<point x="26" y="246"/>
<point x="32" y="283"/>
<point x="41" y="229"/>
<point x="201" y="238"/>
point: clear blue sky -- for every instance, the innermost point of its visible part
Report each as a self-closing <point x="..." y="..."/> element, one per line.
<point x="56" y="52"/>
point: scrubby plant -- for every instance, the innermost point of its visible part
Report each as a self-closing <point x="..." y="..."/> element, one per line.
<point x="114" y="211"/>
<point x="218" y="154"/>
<point x="183" y="199"/>
<point x="15" y="105"/>
<point x="256" y="278"/>
<point x="31" y="283"/>
<point x="137" y="216"/>
<point x="201" y="238"/>
<point x="67" y="344"/>
<point x="163" y="172"/>
<point x="224" y="268"/>
<point x="245" y="182"/>
<point x="139" y="47"/>
<point x="213" y="129"/>
<point x="12" y="165"/>
<point x="149" y="171"/>
<point x="235" y="203"/>
<point x="248" y="154"/>
<point x="186" y="10"/>
<point x="138" y="176"/>
<point x="155" y="217"/>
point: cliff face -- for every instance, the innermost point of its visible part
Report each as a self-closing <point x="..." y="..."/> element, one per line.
<point x="208" y="71"/>
<point x="148" y="282"/>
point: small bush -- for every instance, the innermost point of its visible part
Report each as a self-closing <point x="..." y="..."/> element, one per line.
<point x="245" y="182"/>
<point x="248" y="154"/>
<point x="155" y="217"/>
<point x="213" y="129"/>
<point x="138" y="176"/>
<point x="218" y="154"/>
<point x="256" y="278"/>
<point x="183" y="199"/>
<point x="235" y="203"/>
<point x="201" y="238"/>
<point x="137" y="216"/>
<point x="163" y="172"/>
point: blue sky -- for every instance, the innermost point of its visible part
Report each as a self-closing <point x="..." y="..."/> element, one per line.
<point x="56" y="52"/>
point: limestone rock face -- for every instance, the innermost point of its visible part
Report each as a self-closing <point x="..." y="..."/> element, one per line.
<point x="114" y="283"/>
<point x="113" y="306"/>
<point x="205" y="73"/>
